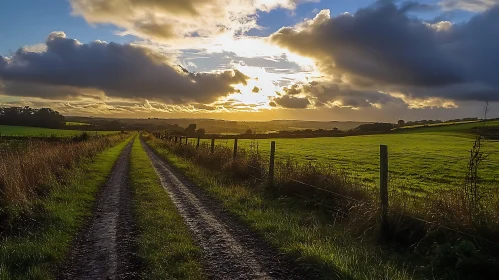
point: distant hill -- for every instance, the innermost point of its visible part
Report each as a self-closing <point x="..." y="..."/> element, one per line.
<point x="490" y="127"/>
<point x="221" y="126"/>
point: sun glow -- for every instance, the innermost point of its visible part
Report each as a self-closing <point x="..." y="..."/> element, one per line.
<point x="260" y="88"/>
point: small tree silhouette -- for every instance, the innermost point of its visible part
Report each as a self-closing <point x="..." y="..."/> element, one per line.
<point x="473" y="191"/>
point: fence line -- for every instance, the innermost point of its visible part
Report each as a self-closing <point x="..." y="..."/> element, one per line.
<point x="325" y="206"/>
<point x="445" y="227"/>
<point x="329" y="191"/>
<point x="256" y="178"/>
<point x="384" y="210"/>
<point x="256" y="168"/>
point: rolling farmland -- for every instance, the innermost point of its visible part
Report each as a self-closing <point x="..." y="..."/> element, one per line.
<point x="433" y="158"/>
<point x="421" y="165"/>
<point x="143" y="167"/>
<point x="22" y="131"/>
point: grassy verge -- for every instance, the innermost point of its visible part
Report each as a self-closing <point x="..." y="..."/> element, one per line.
<point x="312" y="237"/>
<point x="29" y="169"/>
<point x="165" y="245"/>
<point x="442" y="233"/>
<point x="41" y="247"/>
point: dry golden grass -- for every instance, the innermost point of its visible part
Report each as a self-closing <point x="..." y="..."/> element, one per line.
<point x="27" y="172"/>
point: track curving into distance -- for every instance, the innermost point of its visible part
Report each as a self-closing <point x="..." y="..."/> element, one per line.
<point x="104" y="249"/>
<point x="230" y="250"/>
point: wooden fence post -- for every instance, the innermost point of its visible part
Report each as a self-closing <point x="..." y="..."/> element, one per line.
<point x="197" y="145"/>
<point x="383" y="176"/>
<point x="186" y="140"/>
<point x="235" y="148"/>
<point x="212" y="145"/>
<point x="271" y="163"/>
<point x="176" y="139"/>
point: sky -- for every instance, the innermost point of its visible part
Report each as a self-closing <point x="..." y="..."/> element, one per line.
<point x="360" y="60"/>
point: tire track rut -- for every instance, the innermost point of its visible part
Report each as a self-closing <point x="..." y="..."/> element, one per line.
<point x="105" y="247"/>
<point x="230" y="250"/>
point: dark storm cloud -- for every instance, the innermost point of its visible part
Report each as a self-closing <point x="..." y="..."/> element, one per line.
<point x="3" y="62"/>
<point x="293" y="89"/>
<point x="346" y="97"/>
<point x="382" y="48"/>
<point x="333" y="95"/>
<point x="124" y="71"/>
<point x="204" y="107"/>
<point x="27" y="89"/>
<point x="291" y="102"/>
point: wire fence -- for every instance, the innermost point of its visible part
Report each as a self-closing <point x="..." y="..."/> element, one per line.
<point x="265" y="171"/>
<point x="446" y="228"/>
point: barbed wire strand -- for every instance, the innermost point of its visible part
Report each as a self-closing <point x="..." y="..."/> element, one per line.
<point x="254" y="167"/>
<point x="445" y="227"/>
<point x="403" y="214"/>
<point x="361" y="201"/>
<point x="328" y="191"/>
<point x="256" y="178"/>
<point x="322" y="204"/>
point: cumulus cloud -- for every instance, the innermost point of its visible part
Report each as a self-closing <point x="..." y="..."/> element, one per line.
<point x="28" y="89"/>
<point x="294" y="89"/>
<point x="382" y="49"/>
<point x="291" y="102"/>
<point x="335" y="95"/>
<point x="468" y="5"/>
<point x="170" y="19"/>
<point x="122" y="71"/>
<point x="329" y="94"/>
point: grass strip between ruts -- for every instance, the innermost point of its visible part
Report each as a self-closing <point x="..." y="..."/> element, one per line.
<point x="165" y="245"/>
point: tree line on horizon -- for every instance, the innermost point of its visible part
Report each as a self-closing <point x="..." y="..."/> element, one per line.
<point x="48" y="118"/>
<point x="26" y="116"/>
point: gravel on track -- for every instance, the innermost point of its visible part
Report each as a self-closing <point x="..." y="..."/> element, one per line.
<point x="105" y="247"/>
<point x="230" y="249"/>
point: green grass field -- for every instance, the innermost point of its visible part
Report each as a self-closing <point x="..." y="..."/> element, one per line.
<point x="462" y="127"/>
<point x="77" y="123"/>
<point x="301" y="234"/>
<point x="433" y="125"/>
<point x="7" y="130"/>
<point x="432" y="158"/>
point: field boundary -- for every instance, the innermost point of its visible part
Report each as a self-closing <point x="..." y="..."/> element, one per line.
<point x="265" y="175"/>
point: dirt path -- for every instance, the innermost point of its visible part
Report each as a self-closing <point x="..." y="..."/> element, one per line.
<point x="104" y="249"/>
<point x="230" y="250"/>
